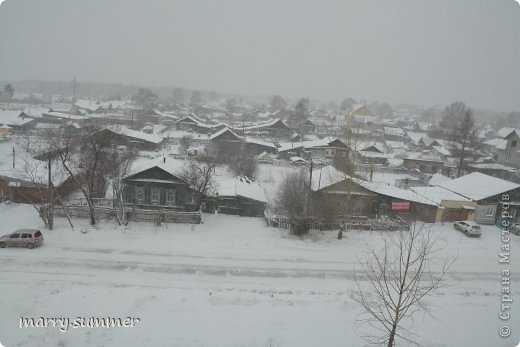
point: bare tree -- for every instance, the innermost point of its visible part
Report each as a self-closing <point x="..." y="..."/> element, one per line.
<point x="88" y="158"/>
<point x="196" y="98"/>
<point x="40" y="198"/>
<point x="231" y="105"/>
<point x="185" y="142"/>
<point x="122" y="159"/>
<point x="178" y="96"/>
<point x="278" y="103"/>
<point x="146" y="99"/>
<point x="292" y="199"/>
<point x="332" y="106"/>
<point x="347" y="104"/>
<point x="462" y="132"/>
<point x="299" y="116"/>
<point x="236" y="156"/>
<point x="244" y="165"/>
<point x="393" y="282"/>
<point x="38" y="176"/>
<point x="9" y="90"/>
<point x="199" y="173"/>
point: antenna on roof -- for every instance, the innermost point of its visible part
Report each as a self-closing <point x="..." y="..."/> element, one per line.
<point x="74" y="90"/>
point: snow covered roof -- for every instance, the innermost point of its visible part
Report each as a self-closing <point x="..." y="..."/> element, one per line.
<point x="357" y="107"/>
<point x="265" y="156"/>
<point x="393" y="131"/>
<point x="326" y="176"/>
<point x="35" y="112"/>
<point x="365" y="145"/>
<point x="370" y="154"/>
<point x="428" y="141"/>
<point x="442" y="150"/>
<point x="297" y="159"/>
<point x="396" y="144"/>
<point x="395" y="162"/>
<point x="437" y="179"/>
<point x="478" y="186"/>
<point x="178" y="134"/>
<point x="504" y="132"/>
<point x="385" y="178"/>
<point x="289" y="146"/>
<point x="89" y="105"/>
<point x="307" y="144"/>
<point x="493" y="166"/>
<point x="498" y="143"/>
<point x="8" y="116"/>
<point x="27" y="169"/>
<point x="240" y="186"/>
<point x="394" y="192"/>
<point x="260" y="142"/>
<point x="196" y="120"/>
<point x="423" y="156"/>
<point x="222" y="131"/>
<point x="134" y="134"/>
<point x="63" y="115"/>
<point x="437" y="194"/>
<point x="168" y="164"/>
<point x="415" y="137"/>
<point x="260" y="125"/>
<point x="359" y="131"/>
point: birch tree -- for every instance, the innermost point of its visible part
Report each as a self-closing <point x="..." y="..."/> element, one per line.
<point x="462" y="132"/>
<point x="394" y="282"/>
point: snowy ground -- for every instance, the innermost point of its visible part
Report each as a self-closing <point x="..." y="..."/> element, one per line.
<point x="229" y="282"/>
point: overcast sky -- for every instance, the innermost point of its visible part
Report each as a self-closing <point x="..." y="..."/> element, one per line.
<point x="423" y="52"/>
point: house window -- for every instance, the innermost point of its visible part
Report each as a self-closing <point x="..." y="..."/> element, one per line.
<point x="156" y="195"/>
<point x="513" y="213"/>
<point x="513" y="143"/>
<point x="490" y="212"/>
<point x="139" y="194"/>
<point x="170" y="197"/>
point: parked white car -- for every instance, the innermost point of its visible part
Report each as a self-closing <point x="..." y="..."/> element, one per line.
<point x="468" y="228"/>
<point x="515" y="229"/>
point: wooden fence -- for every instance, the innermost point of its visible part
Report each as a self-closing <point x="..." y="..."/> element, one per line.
<point x="134" y="215"/>
<point x="382" y="224"/>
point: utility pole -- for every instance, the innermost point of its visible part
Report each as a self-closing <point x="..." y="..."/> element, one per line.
<point x="371" y="168"/>
<point x="50" y="212"/>
<point x="310" y="191"/>
<point x="13" y="158"/>
<point x="319" y="181"/>
<point x="74" y="90"/>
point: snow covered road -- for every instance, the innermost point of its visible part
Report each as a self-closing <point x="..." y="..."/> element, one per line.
<point x="229" y="282"/>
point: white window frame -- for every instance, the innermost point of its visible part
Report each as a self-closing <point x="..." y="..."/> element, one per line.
<point x="490" y="211"/>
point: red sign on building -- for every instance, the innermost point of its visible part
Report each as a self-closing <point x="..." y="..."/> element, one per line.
<point x="401" y="206"/>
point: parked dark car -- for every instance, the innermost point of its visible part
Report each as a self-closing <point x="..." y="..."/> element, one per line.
<point x="29" y="238"/>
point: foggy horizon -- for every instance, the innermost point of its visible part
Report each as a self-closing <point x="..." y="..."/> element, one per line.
<point x="427" y="54"/>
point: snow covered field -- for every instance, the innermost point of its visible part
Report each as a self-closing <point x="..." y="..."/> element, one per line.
<point x="230" y="282"/>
